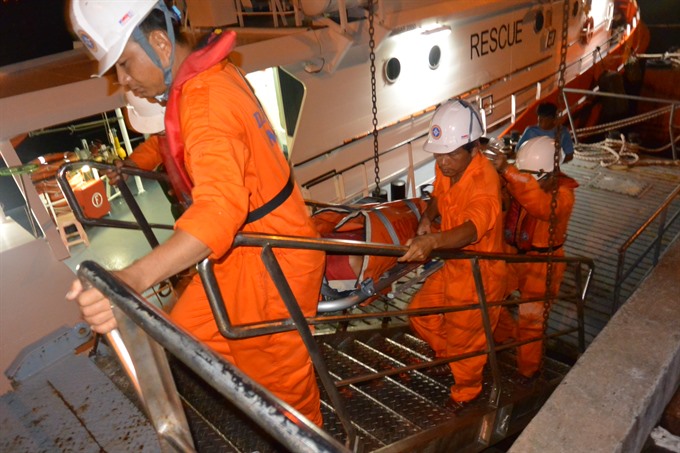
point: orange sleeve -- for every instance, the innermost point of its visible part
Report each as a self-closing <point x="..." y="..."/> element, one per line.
<point x="147" y="155"/>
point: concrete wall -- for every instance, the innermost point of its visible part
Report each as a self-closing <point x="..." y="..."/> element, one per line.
<point x="615" y="394"/>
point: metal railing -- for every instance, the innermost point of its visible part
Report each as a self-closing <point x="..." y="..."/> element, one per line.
<point x="140" y="220"/>
<point x="673" y="104"/>
<point x="146" y="331"/>
<point x="143" y="327"/>
<point x="299" y="322"/>
<point x="621" y="272"/>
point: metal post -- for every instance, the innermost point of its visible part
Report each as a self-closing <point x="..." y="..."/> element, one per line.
<point x="513" y="108"/>
<point x="239" y="13"/>
<point x="670" y="130"/>
<point x="619" y="281"/>
<point x="154" y="383"/>
<point x="488" y="332"/>
<point x="580" y="315"/>
<point x="276" y="417"/>
<point x="298" y="14"/>
<point x="128" y="145"/>
<point x="659" y="236"/>
<point x="342" y="11"/>
<point x="571" y="120"/>
<point x="279" y="279"/>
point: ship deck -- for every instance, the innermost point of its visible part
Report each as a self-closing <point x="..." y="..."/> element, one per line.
<point x="611" y="205"/>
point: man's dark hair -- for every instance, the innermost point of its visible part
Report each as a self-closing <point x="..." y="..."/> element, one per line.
<point x="156" y="21"/>
<point x="470" y="146"/>
<point x="547" y="109"/>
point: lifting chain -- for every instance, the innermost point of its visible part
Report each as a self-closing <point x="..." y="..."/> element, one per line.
<point x="374" y="98"/>
<point x="549" y="277"/>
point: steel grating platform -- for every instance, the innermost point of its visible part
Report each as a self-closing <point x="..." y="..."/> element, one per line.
<point x="409" y="411"/>
<point x="611" y="204"/>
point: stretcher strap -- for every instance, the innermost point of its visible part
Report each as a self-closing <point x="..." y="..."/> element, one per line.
<point x="279" y="198"/>
<point x="388" y="226"/>
<point x="412" y="206"/>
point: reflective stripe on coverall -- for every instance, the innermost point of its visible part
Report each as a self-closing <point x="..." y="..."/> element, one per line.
<point x="535" y="202"/>
<point x="235" y="164"/>
<point x="475" y="197"/>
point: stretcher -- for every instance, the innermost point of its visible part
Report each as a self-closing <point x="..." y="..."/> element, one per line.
<point x="352" y="280"/>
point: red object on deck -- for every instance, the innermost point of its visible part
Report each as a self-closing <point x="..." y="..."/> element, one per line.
<point x="91" y="196"/>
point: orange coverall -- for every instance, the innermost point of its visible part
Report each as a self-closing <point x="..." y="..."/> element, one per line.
<point x="475" y="197"/>
<point x="146" y="155"/>
<point x="535" y="202"/>
<point x="236" y="166"/>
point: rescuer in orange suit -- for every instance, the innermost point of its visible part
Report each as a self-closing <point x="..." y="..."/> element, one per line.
<point x="222" y="153"/>
<point x="530" y="184"/>
<point x="467" y="197"/>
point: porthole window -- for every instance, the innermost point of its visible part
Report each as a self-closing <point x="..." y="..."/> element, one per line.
<point x="538" y="24"/>
<point x="574" y="10"/>
<point x="435" y="56"/>
<point x="392" y="70"/>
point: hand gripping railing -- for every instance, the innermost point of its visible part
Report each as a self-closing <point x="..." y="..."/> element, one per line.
<point x="299" y="322"/>
<point x="146" y="331"/>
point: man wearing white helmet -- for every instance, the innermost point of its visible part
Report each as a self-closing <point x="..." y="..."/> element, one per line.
<point x="219" y="144"/>
<point x="530" y="183"/>
<point x="467" y="197"/>
<point x="145" y="117"/>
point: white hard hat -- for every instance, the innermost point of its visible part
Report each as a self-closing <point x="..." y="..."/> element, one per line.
<point x="453" y="125"/>
<point x="105" y="26"/>
<point x="145" y="117"/>
<point x="537" y="156"/>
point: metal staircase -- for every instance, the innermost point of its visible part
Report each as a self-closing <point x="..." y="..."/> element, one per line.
<point x="409" y="411"/>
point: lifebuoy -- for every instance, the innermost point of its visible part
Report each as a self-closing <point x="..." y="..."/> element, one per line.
<point x="587" y="30"/>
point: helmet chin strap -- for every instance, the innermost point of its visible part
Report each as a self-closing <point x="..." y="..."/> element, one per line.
<point x="139" y="36"/>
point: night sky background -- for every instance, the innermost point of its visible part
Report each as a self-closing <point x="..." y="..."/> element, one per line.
<point x="35" y="28"/>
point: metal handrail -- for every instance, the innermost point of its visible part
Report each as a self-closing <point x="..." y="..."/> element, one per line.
<point x="141" y="222"/>
<point x="150" y="324"/>
<point x="660" y="213"/>
<point x="299" y="322"/>
<point x="673" y="103"/>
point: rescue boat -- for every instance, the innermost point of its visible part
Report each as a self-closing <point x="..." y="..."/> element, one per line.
<point x="350" y="87"/>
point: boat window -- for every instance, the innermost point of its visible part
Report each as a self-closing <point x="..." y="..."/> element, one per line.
<point x="538" y="25"/>
<point x="435" y="56"/>
<point x="574" y="10"/>
<point x="392" y="69"/>
<point x="292" y="94"/>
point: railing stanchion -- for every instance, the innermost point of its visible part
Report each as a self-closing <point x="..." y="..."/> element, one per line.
<point x="488" y="332"/>
<point x="659" y="236"/>
<point x="279" y="279"/>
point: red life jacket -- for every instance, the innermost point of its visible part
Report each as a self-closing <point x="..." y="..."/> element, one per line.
<point x="171" y="145"/>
